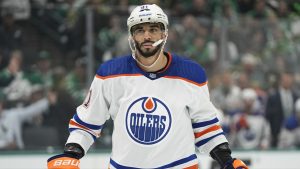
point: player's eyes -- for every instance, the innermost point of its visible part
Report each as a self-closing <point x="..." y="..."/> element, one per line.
<point x="154" y="30"/>
<point x="139" y="32"/>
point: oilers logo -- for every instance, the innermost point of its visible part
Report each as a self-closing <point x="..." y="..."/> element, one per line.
<point x="148" y="120"/>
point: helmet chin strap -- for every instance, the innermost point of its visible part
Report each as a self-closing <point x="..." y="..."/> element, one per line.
<point x="133" y="50"/>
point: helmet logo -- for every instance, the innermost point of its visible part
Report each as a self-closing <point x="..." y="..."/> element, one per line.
<point x="146" y="14"/>
<point x="144" y="8"/>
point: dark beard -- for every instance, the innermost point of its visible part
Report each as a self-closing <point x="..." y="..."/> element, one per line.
<point x="149" y="53"/>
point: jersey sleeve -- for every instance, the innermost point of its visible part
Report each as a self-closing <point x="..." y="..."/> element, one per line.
<point x="206" y="126"/>
<point x="90" y="116"/>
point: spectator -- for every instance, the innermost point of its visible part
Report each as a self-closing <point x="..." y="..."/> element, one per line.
<point x="75" y="81"/>
<point x="108" y="37"/>
<point x="190" y="22"/>
<point x="60" y="114"/>
<point x="19" y="88"/>
<point x="8" y="73"/>
<point x="251" y="66"/>
<point x="174" y="37"/>
<point x="283" y="9"/>
<point x="244" y="6"/>
<point x="10" y="33"/>
<point x="19" y="8"/>
<point x="250" y="129"/>
<point x="201" y="50"/>
<point x="280" y="105"/>
<point x="290" y="135"/>
<point x="11" y="120"/>
<point x="199" y="8"/>
<point x="243" y="81"/>
<point x="229" y="12"/>
<point x="227" y="96"/>
<point x="260" y="10"/>
<point x="41" y="72"/>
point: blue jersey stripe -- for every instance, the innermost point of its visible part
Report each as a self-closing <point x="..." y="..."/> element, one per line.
<point x="72" y="129"/>
<point x="180" y="66"/>
<point x="118" y="166"/>
<point x="173" y="164"/>
<point x="204" y="141"/>
<point x="90" y="126"/>
<point x="205" y="123"/>
<point x="178" y="162"/>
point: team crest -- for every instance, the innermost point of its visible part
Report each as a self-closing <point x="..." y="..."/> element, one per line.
<point x="148" y="120"/>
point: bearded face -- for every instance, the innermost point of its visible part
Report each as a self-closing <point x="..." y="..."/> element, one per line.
<point x="146" y="49"/>
<point x="145" y="35"/>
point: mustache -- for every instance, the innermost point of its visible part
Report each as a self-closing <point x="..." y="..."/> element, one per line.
<point x="147" y="42"/>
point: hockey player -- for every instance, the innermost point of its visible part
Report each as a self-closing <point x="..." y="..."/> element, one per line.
<point x="159" y="103"/>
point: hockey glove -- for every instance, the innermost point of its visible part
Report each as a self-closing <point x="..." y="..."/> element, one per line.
<point x="63" y="161"/>
<point x="222" y="154"/>
<point x="235" y="164"/>
<point x="69" y="159"/>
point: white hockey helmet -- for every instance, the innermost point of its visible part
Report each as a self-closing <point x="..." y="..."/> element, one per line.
<point x="147" y="13"/>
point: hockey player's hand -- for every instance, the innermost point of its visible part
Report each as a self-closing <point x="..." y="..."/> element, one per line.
<point x="235" y="164"/>
<point x="63" y="161"/>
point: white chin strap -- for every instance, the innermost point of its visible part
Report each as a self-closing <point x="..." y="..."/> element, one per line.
<point x="133" y="50"/>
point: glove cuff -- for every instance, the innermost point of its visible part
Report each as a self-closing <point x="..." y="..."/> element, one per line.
<point x="74" y="150"/>
<point x="59" y="156"/>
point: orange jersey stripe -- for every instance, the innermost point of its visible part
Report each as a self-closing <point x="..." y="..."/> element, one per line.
<point x="212" y="128"/>
<point x="170" y="77"/>
<point x="187" y="80"/>
<point x="119" y="75"/>
<point x="83" y="127"/>
<point x="192" y="167"/>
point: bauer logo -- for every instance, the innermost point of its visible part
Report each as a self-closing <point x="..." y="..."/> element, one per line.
<point x="148" y="120"/>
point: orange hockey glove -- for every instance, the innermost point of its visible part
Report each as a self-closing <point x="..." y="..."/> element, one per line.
<point x="235" y="164"/>
<point x="69" y="159"/>
<point x="63" y="161"/>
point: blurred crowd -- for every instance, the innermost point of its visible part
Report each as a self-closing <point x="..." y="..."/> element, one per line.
<point x="249" y="48"/>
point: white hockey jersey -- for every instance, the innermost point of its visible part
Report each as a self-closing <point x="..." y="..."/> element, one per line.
<point x="159" y="118"/>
